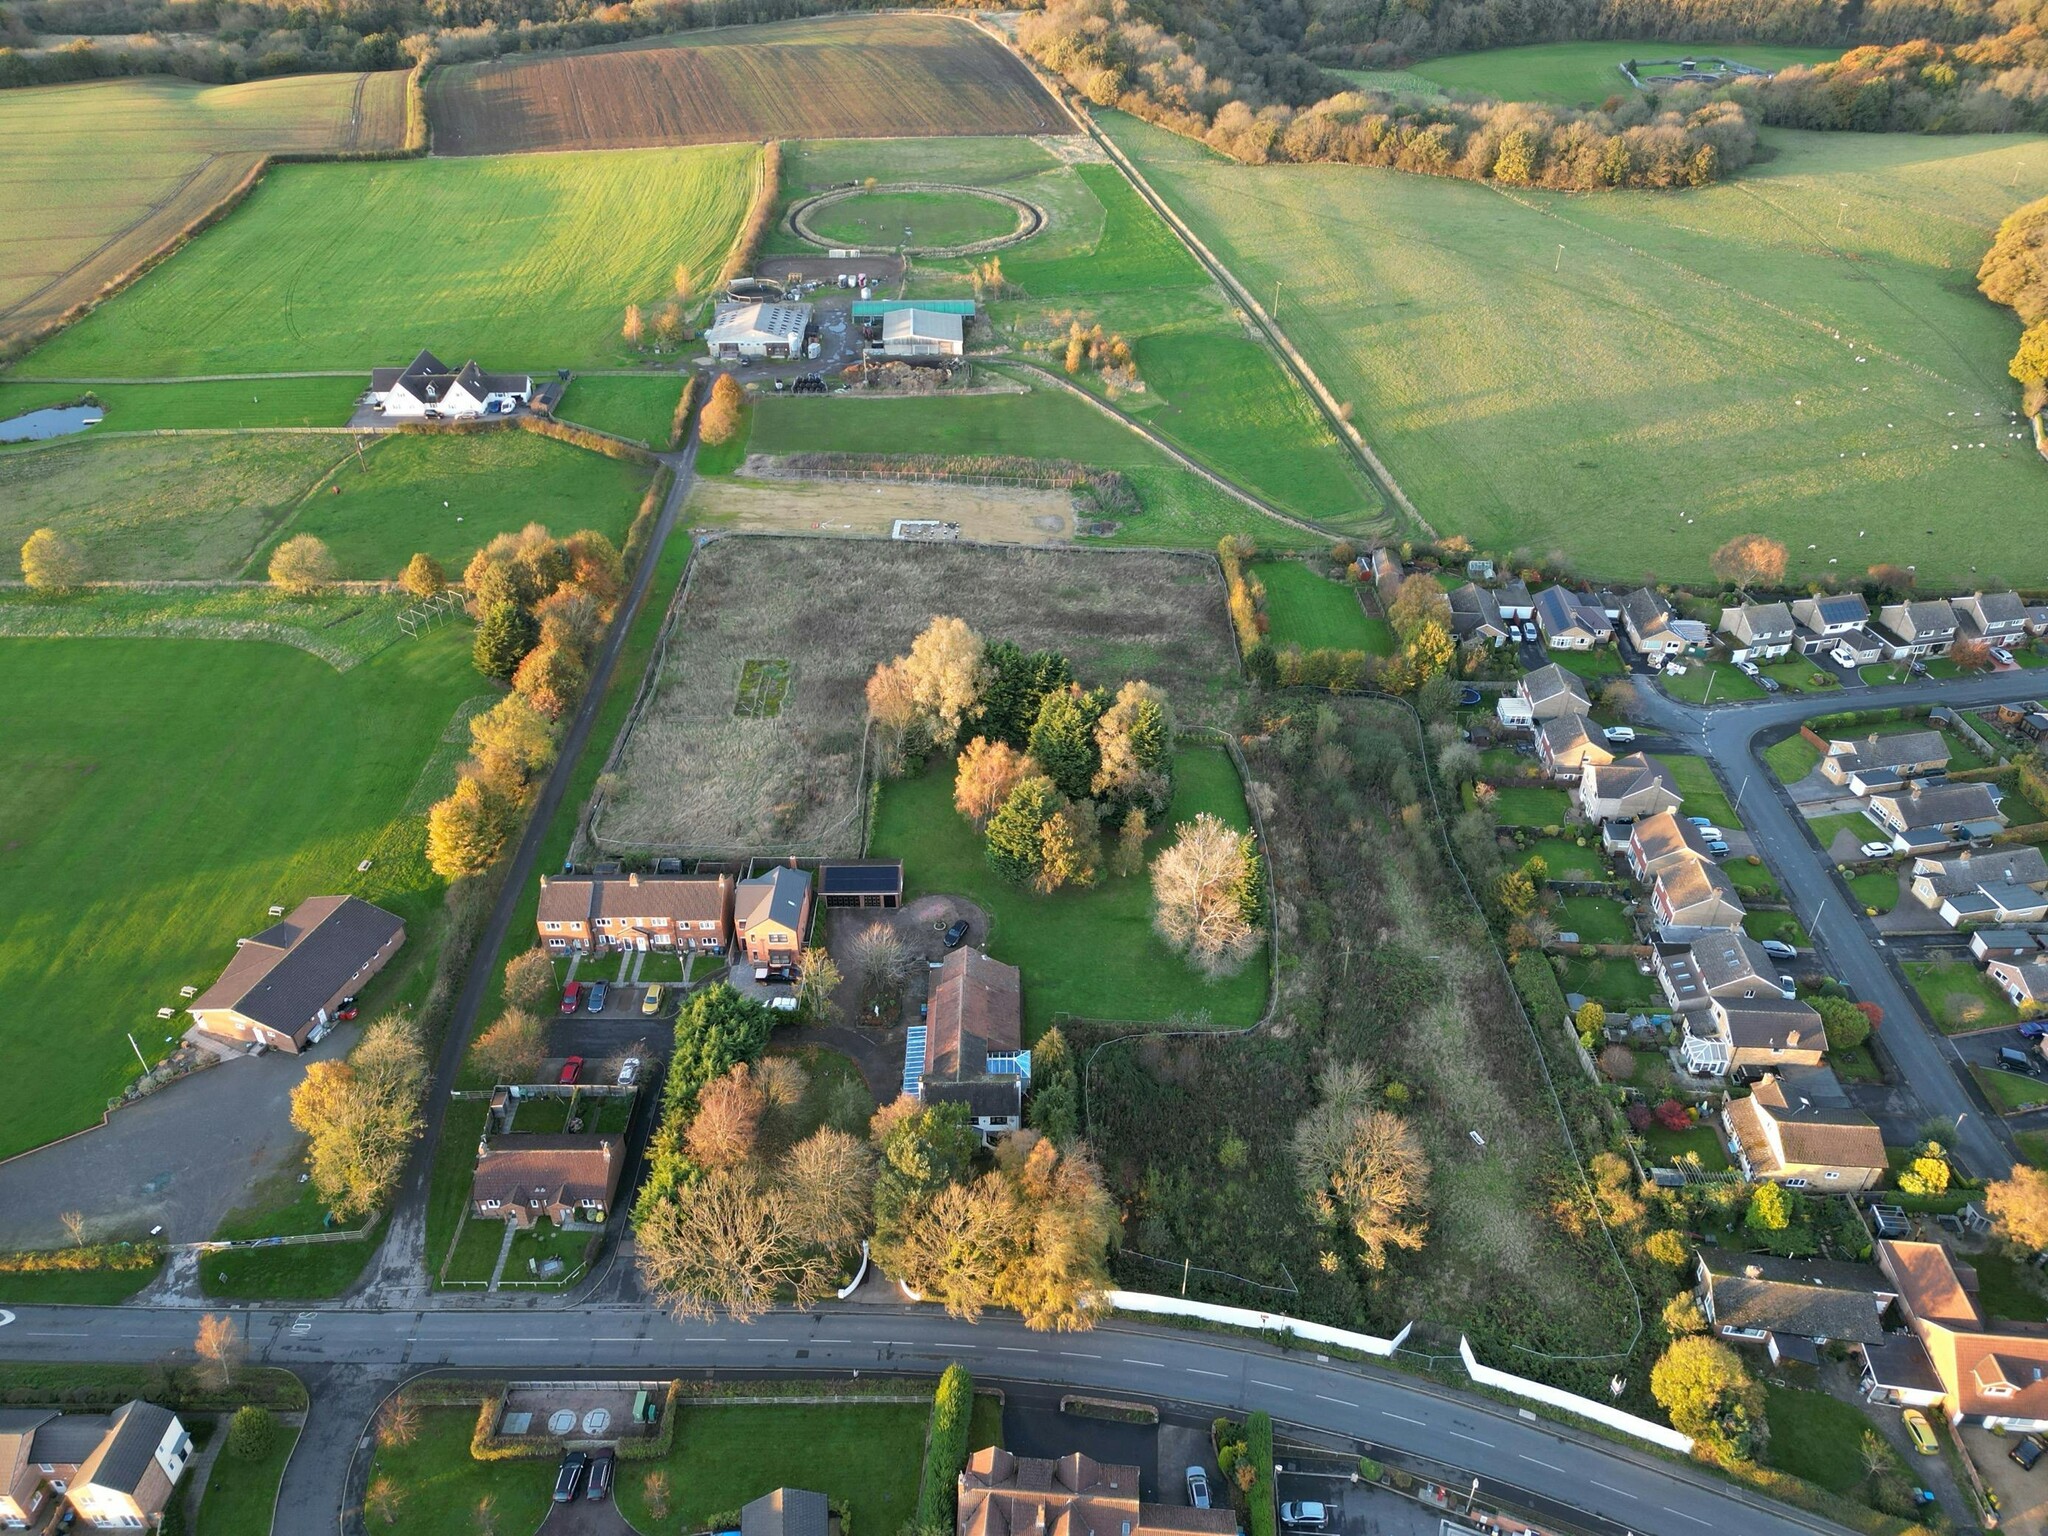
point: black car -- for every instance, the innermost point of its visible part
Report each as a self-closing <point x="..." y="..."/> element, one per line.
<point x="957" y="934"/>
<point x="570" y="1477"/>
<point x="600" y="1476"/>
<point x="2030" y="1450"/>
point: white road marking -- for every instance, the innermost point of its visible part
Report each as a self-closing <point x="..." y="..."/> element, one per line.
<point x="764" y="1338"/>
<point x="1610" y="1487"/>
<point x="1550" y="1464"/>
<point x="1196" y="1370"/>
<point x="821" y="1339"/>
<point x="616" y="1338"/>
<point x="1014" y="1349"/>
<point x="1341" y="1401"/>
<point x="1155" y="1364"/>
<point x="1075" y="1354"/>
<point x="704" y="1338"/>
<point x="1695" y="1519"/>
<point x="1473" y="1438"/>
<point x="1272" y="1384"/>
<point x="1390" y="1414"/>
<point x="6" y="1317"/>
<point x="37" y="1333"/>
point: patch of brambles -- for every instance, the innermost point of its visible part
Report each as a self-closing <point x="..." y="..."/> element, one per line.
<point x="763" y="687"/>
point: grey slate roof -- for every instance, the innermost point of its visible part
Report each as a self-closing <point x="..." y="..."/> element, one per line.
<point x="786" y="1512"/>
<point x="294" y="967"/>
<point x="1732" y="960"/>
<point x="1941" y="805"/>
<point x="1809" y="1301"/>
<point x="1899" y="749"/>
<point x="126" y="1454"/>
<point x="70" y="1438"/>
<point x="1835" y="608"/>
<point x="1770" y="1023"/>
<point x="1646" y="611"/>
<point x="777" y="896"/>
<point x="1552" y="682"/>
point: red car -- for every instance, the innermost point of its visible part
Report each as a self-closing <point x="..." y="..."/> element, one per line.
<point x="572" y="997"/>
<point x="571" y="1070"/>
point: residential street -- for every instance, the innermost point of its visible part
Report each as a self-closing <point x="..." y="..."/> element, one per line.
<point x="1732" y="738"/>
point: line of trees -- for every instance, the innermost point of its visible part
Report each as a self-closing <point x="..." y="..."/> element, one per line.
<point x="1996" y="84"/>
<point x="2014" y="273"/>
<point x="361" y="1115"/>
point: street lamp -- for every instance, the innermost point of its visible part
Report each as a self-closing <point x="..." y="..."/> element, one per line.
<point x="1472" y="1497"/>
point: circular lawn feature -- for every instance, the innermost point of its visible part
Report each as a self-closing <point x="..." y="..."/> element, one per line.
<point x="919" y="218"/>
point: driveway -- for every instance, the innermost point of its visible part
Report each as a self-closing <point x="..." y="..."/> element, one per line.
<point x="181" y="1158"/>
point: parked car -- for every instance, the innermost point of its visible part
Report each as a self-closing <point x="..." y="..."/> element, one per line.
<point x="1749" y="669"/>
<point x="572" y="1069"/>
<point x="2034" y="1029"/>
<point x="1701" y="821"/>
<point x="1876" y="850"/>
<point x="572" y="997"/>
<point x="1308" y="1515"/>
<point x="1198" y="1488"/>
<point x="786" y="1003"/>
<point x="1788" y="988"/>
<point x="1620" y="733"/>
<point x="2003" y="657"/>
<point x="1921" y="1433"/>
<point x="600" y="1476"/>
<point x="595" y="1001"/>
<point x="2031" y="1448"/>
<point x="1770" y="685"/>
<point x="1718" y="847"/>
<point x="1710" y="832"/>
<point x="2012" y="1059"/>
<point x="1778" y="949"/>
<point x="765" y="975"/>
<point x="957" y="934"/>
<point x="570" y="1477"/>
<point x="629" y="1071"/>
<point x="651" y="1003"/>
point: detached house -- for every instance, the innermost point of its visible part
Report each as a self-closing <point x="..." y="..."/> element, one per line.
<point x="1661" y="842"/>
<point x="112" y="1471"/>
<point x="2024" y="982"/>
<point x="1570" y="622"/>
<point x="1652" y="626"/>
<point x="522" y="1178"/>
<point x="1758" y="631"/>
<point x="1821" y="621"/>
<point x="1798" y="1129"/>
<point x="1626" y="789"/>
<point x="1793" y="1307"/>
<point x="1725" y="964"/>
<point x="288" y="980"/>
<point x="1552" y="691"/>
<point x="1515" y="602"/>
<point x="1565" y="744"/>
<point x="2000" y="885"/>
<point x="970" y="1049"/>
<point x="1917" y="630"/>
<point x="1476" y="616"/>
<point x="1003" y="1494"/>
<point x="1996" y="618"/>
<point x="1995" y="1378"/>
<point x="1750" y="1035"/>
<point x="428" y="387"/>
<point x="1695" y="894"/>
<point x="691" y="914"/>
<point x="1937" y="815"/>
<point x="1875" y="763"/>
<point x="771" y="915"/>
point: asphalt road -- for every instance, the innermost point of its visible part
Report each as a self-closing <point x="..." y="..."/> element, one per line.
<point x="1732" y="737"/>
<point x="350" y="1354"/>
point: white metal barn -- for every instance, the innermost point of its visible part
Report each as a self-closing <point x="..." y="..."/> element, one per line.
<point x="759" y="330"/>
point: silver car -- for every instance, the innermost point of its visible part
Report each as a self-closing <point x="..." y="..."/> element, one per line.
<point x="1198" y="1488"/>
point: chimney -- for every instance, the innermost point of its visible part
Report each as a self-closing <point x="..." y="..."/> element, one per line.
<point x="543" y="882"/>
<point x="633" y="879"/>
<point x="1792" y="1038"/>
<point x="792" y="861"/>
<point x="1753" y="1271"/>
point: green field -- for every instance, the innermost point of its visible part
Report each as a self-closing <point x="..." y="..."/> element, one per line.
<point x="642" y="409"/>
<point x="1686" y="369"/>
<point x="448" y="495"/>
<point x="1181" y="510"/>
<point x="524" y="261"/>
<point x="1308" y="609"/>
<point x="143" y="508"/>
<point x="1047" y="423"/>
<point x="220" y="778"/>
<point x="891" y="219"/>
<point x="439" y="1482"/>
<point x="1087" y="952"/>
<point x="194" y="403"/>
<point x="1586" y="74"/>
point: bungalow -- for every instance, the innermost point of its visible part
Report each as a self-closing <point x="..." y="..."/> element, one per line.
<point x="1793" y="1307"/>
<point x="1860" y="647"/>
<point x="691" y="914"/>
<point x="1877" y="763"/>
<point x="1695" y="894"/>
<point x="1937" y="815"/>
<point x="1515" y="602"/>
<point x="1627" y="789"/>
<point x="1917" y="630"/>
<point x="1996" y="618"/>
<point x="1748" y="1035"/>
<point x="521" y="1178"/>
<point x="1728" y="964"/>
<point x="110" y="1471"/>
<point x="788" y="1512"/>
<point x="2001" y="885"/>
<point x="970" y="1049"/>
<point x="1550" y="691"/>
<point x="1996" y="1379"/>
<point x="1648" y="619"/>
<point x="1758" y="631"/>
<point x="2024" y="982"/>
<point x="1821" y="621"/>
<point x="1004" y="1494"/>
<point x="771" y="915"/>
<point x="758" y="330"/>
<point x="1988" y="944"/>
<point x="1476" y="616"/>
<point x="1570" y="622"/>
<point x="1566" y="744"/>
<point x="1897" y="1373"/>
<point x="286" y="981"/>
<point x="1658" y="843"/>
<point x="1797" y="1128"/>
<point x="426" y="387"/>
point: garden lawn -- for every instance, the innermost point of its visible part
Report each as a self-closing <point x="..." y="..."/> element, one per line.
<point x="1710" y="682"/>
<point x="241" y="1496"/>
<point x="2009" y="1092"/>
<point x="1566" y="860"/>
<point x="1703" y="1141"/>
<point x="1090" y="952"/>
<point x="2009" y="1289"/>
<point x="866" y="1454"/>
<point x="1586" y="74"/>
<point x="1875" y="889"/>
<point x="1595" y="919"/>
<point x="1826" y="829"/>
<point x="1308" y="609"/>
<point x="1958" y="996"/>
<point x="1702" y="790"/>
<point x="1600" y="662"/>
<point x="196" y="403"/>
<point x="641" y="408"/>
<point x="1816" y="1437"/>
<point x="447" y="495"/>
<point x="1753" y="880"/>
<point x="1529" y="805"/>
<point x="1800" y="674"/>
<point x="79" y="1288"/>
<point x="438" y="1482"/>
<point x="1615" y="982"/>
<point x="303" y="275"/>
<point x="1793" y="758"/>
<point x="1776" y="925"/>
<point x="220" y="777"/>
<point x="294" y="1272"/>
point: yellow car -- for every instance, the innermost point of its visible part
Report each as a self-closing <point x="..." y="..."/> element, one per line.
<point x="651" y="1003"/>
<point x="1921" y="1433"/>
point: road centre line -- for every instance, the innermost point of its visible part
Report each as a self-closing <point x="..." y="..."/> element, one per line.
<point x="1695" y="1519"/>
<point x="1610" y="1488"/>
<point x="1155" y="1364"/>
<point x="1196" y="1370"/>
<point x="1473" y="1438"/>
<point x="1343" y="1402"/>
<point x="821" y="1339"/>
<point x="1014" y="1349"/>
<point x="1272" y="1384"/>
<point x="1536" y="1463"/>
<point x="1075" y="1354"/>
<point x="1390" y="1414"/>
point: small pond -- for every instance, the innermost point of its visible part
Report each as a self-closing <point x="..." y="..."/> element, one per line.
<point x="57" y="421"/>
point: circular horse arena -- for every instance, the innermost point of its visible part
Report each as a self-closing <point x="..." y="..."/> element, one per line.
<point x="903" y="204"/>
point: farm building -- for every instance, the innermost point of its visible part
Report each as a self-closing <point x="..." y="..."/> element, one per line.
<point x="759" y="330"/>
<point x="862" y="883"/>
<point x="286" y="981"/>
<point x="922" y="333"/>
<point x="428" y="387"/>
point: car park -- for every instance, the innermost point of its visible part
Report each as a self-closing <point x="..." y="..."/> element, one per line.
<point x="629" y="1071"/>
<point x="572" y="997"/>
<point x="1876" y="850"/>
<point x="595" y="1001"/>
<point x="1920" y="1433"/>
<point x="572" y="1069"/>
<point x="1307" y="1515"/>
<point x="1198" y="1488"/>
<point x="570" y="1476"/>
<point x="957" y="934"/>
<point x="600" y="1476"/>
<point x="651" y="1003"/>
<point x="2030" y="1450"/>
<point x="1778" y="949"/>
<point x="1621" y="733"/>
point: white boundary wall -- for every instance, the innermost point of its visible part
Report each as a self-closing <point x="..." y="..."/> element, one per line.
<point x="1584" y="1407"/>
<point x="1245" y="1317"/>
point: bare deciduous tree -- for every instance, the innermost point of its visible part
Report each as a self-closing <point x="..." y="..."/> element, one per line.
<point x="1199" y="890"/>
<point x="828" y="1176"/>
<point x="878" y="956"/>
<point x="1375" y="1177"/>
<point x="819" y="978"/>
<point x="727" y="1125"/>
<point x="74" y="1225"/>
<point x="383" y="1499"/>
<point x="1750" y="560"/>
<point x="219" y="1345"/>
<point x="730" y="1244"/>
<point x="399" y="1422"/>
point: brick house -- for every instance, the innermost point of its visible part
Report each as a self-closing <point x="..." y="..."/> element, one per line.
<point x="1566" y="744"/>
<point x="1746" y="1035"/>
<point x="1996" y="618"/>
<point x="1695" y="893"/>
<point x="688" y="913"/>
<point x="1993" y="1377"/>
<point x="1661" y="842"/>
<point x="1797" y="1128"/>
<point x="1627" y="788"/>
<point x="1552" y="691"/>
<point x="771" y="915"/>
<point x="287" y="980"/>
<point x="1871" y="764"/>
<point x="970" y="1049"/>
<point x="1917" y="630"/>
<point x="114" y="1471"/>
<point x="1822" y="621"/>
<point x="522" y="1178"/>
<point x="1003" y="1494"/>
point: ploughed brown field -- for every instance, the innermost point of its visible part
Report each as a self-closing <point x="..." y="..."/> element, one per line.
<point x="850" y="77"/>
